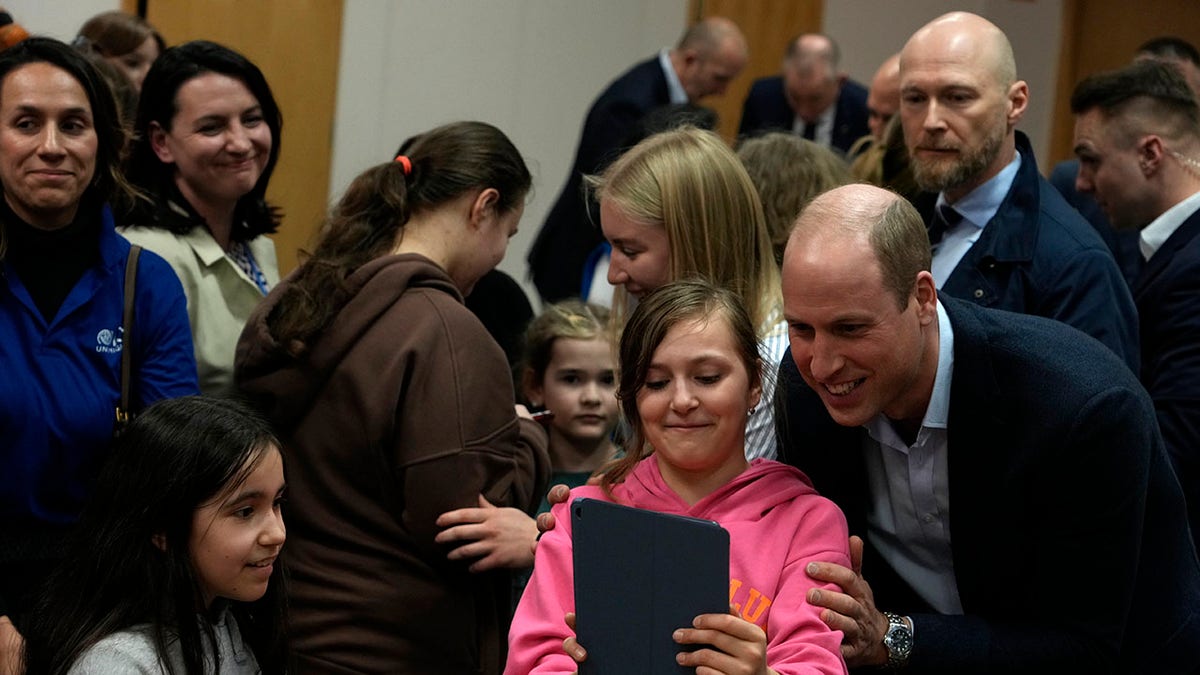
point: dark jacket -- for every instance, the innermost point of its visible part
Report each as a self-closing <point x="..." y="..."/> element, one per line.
<point x="1038" y="256"/>
<point x="1067" y="527"/>
<point x="1168" y="300"/>
<point x="766" y="109"/>
<point x="572" y="228"/>
<point x="401" y="410"/>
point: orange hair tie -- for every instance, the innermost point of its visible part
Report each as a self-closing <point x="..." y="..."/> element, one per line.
<point x="406" y="163"/>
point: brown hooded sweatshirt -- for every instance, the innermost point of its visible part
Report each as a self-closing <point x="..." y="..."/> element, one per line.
<point x="400" y="410"/>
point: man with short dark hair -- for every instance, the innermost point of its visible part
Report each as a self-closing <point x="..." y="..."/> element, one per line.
<point x="708" y="57"/>
<point x="1002" y="236"/>
<point x="1124" y="243"/>
<point x="1137" y="135"/>
<point x="1014" y="507"/>
<point x="811" y="97"/>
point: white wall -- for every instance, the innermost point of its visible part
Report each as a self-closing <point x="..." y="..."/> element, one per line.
<point x="868" y="31"/>
<point x="530" y="67"/>
<point x="56" y="18"/>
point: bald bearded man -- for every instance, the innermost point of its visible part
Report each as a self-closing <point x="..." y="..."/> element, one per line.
<point x="1002" y="236"/>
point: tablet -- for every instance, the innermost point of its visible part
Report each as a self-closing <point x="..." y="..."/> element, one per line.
<point x="639" y="576"/>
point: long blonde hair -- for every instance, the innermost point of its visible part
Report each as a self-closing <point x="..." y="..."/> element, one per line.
<point x="690" y="183"/>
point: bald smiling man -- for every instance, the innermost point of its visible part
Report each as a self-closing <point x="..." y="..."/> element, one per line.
<point x="1012" y="501"/>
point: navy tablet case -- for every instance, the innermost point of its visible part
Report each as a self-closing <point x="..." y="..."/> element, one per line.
<point x="640" y="575"/>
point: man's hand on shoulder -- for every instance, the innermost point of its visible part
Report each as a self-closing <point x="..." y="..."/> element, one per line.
<point x="852" y="611"/>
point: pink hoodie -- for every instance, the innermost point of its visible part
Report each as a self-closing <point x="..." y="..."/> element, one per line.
<point x="777" y="524"/>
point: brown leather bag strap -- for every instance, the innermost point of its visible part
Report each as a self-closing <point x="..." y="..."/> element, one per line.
<point x="127" y="333"/>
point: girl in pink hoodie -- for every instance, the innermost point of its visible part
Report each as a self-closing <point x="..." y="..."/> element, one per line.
<point x="690" y="376"/>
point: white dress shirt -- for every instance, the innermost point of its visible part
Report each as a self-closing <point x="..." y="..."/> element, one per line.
<point x="1154" y="235"/>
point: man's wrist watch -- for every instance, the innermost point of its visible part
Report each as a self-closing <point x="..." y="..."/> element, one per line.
<point x="898" y="640"/>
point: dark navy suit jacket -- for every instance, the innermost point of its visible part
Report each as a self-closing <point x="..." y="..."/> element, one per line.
<point x="766" y="109"/>
<point x="1067" y="528"/>
<point x="572" y="228"/>
<point x="1038" y="256"/>
<point x="1123" y="244"/>
<point x="1168" y="300"/>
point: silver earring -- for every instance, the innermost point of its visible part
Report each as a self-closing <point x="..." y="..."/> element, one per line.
<point x="752" y="410"/>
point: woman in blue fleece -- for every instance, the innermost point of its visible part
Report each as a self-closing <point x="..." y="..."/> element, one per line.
<point x="62" y="289"/>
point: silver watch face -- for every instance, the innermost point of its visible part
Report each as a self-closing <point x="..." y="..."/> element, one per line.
<point x="898" y="641"/>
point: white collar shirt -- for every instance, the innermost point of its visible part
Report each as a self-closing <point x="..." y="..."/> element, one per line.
<point x="908" y="520"/>
<point x="824" y="133"/>
<point x="674" y="86"/>
<point x="1154" y="235"/>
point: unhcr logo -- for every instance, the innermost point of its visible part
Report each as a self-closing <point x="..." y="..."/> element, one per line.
<point x="108" y="342"/>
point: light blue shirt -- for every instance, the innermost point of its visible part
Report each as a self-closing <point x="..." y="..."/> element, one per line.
<point x="977" y="208"/>
<point x="674" y="86"/>
<point x="908" y="520"/>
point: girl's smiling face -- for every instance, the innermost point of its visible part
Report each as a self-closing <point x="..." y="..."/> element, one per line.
<point x="694" y="403"/>
<point x="236" y="537"/>
<point x="641" y="253"/>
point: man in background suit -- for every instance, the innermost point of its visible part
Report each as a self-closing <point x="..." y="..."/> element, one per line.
<point x="810" y="98"/>
<point x="1014" y="506"/>
<point x="1003" y="237"/>
<point x="709" y="55"/>
<point x="1137" y="135"/>
<point x="1124" y="243"/>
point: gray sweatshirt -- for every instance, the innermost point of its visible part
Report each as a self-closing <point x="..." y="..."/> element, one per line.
<point x="132" y="651"/>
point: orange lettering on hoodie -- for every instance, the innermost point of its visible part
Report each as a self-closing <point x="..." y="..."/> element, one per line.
<point x="755" y="605"/>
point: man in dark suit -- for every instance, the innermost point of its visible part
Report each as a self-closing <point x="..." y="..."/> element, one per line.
<point x="1015" y="508"/>
<point x="709" y="55"/>
<point x="1137" y="135"/>
<point x="810" y="98"/>
<point x="1003" y="237"/>
<point x="1124" y="243"/>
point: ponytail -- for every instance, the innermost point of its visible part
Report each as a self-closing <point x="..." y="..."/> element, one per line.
<point x="369" y="220"/>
